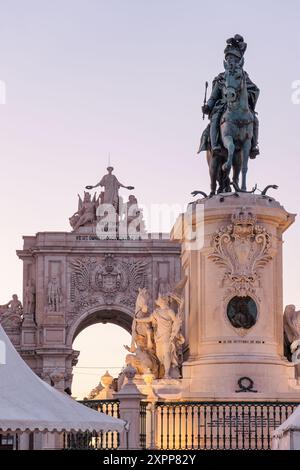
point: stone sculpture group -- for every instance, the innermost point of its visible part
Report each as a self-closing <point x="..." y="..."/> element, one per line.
<point x="157" y="339"/>
<point x="107" y="209"/>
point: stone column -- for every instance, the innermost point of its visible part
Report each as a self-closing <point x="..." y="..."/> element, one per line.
<point x="130" y="399"/>
<point x="152" y="398"/>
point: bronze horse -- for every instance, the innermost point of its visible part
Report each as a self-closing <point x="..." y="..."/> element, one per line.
<point x="236" y="132"/>
<point x="236" y="123"/>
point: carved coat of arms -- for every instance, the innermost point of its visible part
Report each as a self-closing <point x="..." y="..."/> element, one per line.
<point x="242" y="248"/>
<point x="106" y="281"/>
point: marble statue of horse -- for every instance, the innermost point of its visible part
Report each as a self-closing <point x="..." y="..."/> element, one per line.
<point x="141" y="311"/>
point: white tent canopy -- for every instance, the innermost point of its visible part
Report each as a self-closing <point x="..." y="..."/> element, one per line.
<point x="287" y="435"/>
<point x="291" y="424"/>
<point x="27" y="403"/>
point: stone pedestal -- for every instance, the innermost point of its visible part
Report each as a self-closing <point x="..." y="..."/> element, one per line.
<point x="234" y="307"/>
<point x="130" y="408"/>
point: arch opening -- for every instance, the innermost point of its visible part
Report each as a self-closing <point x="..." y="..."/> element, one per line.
<point x="99" y="336"/>
<point x="105" y="316"/>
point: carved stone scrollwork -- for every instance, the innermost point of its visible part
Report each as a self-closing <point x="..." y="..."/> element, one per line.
<point x="106" y="281"/>
<point x="242" y="249"/>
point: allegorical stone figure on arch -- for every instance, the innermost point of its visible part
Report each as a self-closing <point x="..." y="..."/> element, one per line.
<point x="216" y="104"/>
<point x="87" y="212"/>
<point x="111" y="188"/>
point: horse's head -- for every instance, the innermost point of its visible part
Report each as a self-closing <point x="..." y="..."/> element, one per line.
<point x="234" y="81"/>
<point x="142" y="300"/>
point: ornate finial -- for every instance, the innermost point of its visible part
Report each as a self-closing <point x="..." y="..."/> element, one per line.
<point x="106" y="379"/>
<point x="129" y="373"/>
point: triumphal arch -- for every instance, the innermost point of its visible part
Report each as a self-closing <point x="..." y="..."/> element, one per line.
<point x="89" y="275"/>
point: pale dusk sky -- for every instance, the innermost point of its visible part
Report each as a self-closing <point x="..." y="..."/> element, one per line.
<point x="89" y="77"/>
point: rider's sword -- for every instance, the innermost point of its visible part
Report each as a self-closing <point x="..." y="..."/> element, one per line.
<point x="205" y="96"/>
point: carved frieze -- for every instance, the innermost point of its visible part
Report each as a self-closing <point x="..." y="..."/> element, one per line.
<point x="107" y="280"/>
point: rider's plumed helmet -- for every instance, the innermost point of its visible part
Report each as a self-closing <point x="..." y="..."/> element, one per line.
<point x="235" y="46"/>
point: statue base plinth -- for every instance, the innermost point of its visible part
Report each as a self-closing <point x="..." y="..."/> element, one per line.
<point x="166" y="389"/>
<point x="233" y="308"/>
<point x="221" y="378"/>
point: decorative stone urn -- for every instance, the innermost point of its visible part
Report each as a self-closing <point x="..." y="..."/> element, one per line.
<point x="107" y="392"/>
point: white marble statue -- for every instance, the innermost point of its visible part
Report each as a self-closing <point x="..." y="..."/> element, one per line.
<point x="15" y="305"/>
<point x="11" y="314"/>
<point x="142" y="349"/>
<point x="291" y="324"/>
<point x="86" y="213"/>
<point x="111" y="188"/>
<point x="166" y="324"/>
<point x="144" y="329"/>
<point x="29" y="297"/>
<point x="54" y="294"/>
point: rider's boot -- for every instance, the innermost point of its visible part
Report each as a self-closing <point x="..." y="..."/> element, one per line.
<point x="215" y="146"/>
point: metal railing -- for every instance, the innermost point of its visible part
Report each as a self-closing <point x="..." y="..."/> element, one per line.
<point x="93" y="440"/>
<point x="218" y="426"/>
<point x="109" y="407"/>
<point x="192" y="425"/>
<point x="143" y="424"/>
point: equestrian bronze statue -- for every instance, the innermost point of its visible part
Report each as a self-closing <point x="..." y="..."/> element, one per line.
<point x="231" y="137"/>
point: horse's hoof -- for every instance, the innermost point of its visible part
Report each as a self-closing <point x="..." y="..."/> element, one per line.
<point x="212" y="194"/>
<point x="226" y="167"/>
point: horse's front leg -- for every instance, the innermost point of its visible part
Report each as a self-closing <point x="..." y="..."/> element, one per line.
<point x="245" y="157"/>
<point x="237" y="162"/>
<point x="213" y="170"/>
<point x="230" y="147"/>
